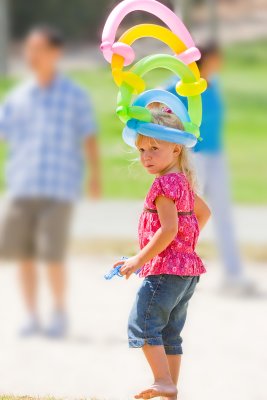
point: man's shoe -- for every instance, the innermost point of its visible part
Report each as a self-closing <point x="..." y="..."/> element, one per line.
<point x="58" y="325"/>
<point x="31" y="327"/>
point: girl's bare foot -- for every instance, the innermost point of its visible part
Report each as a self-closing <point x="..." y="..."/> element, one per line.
<point x="159" y="389"/>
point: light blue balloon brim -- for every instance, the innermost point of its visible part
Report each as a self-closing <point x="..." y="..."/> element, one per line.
<point x="160" y="132"/>
<point x="134" y="127"/>
<point x="165" y="97"/>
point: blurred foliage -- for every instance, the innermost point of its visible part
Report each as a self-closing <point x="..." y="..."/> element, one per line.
<point x="78" y="19"/>
<point x="244" y="84"/>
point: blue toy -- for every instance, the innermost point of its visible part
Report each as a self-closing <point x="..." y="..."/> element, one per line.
<point x="116" y="271"/>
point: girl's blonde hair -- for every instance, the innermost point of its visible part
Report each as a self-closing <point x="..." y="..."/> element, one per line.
<point x="162" y="115"/>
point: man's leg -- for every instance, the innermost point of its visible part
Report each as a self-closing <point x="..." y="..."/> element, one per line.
<point x="57" y="281"/>
<point x="28" y="284"/>
<point x="213" y="180"/>
<point x="17" y="235"/>
<point x="53" y="230"/>
<point x="218" y="194"/>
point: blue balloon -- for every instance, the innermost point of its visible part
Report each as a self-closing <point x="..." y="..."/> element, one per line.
<point x="134" y="126"/>
<point x="165" y="97"/>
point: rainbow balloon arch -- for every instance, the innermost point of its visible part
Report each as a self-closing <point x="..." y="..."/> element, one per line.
<point x="120" y="54"/>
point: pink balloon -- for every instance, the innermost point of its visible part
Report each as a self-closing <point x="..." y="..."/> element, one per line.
<point x="122" y="49"/>
<point x="189" y="55"/>
<point x="151" y="6"/>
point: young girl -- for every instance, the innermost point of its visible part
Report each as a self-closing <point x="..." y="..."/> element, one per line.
<point x="168" y="232"/>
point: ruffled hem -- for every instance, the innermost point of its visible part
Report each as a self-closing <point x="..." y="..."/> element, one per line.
<point x="183" y="264"/>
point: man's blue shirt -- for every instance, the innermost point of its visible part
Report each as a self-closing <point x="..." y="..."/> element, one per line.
<point x="212" y="117"/>
<point x="44" y="129"/>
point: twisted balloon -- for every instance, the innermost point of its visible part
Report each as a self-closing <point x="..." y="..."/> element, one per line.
<point x="131" y="82"/>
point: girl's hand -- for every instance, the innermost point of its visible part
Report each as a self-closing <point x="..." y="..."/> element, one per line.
<point x="129" y="266"/>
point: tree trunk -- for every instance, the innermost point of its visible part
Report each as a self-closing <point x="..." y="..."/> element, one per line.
<point x="3" y="36"/>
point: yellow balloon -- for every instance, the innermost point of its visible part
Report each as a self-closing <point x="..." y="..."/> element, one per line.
<point x="157" y="32"/>
<point x="133" y="80"/>
<point x="192" y="88"/>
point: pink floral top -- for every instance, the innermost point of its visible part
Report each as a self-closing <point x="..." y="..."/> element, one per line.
<point x="179" y="258"/>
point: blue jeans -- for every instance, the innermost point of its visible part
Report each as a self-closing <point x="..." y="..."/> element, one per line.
<point x="159" y="312"/>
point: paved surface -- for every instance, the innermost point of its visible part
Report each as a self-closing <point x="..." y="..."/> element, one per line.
<point x="224" y="341"/>
<point x="98" y="220"/>
<point x="94" y="220"/>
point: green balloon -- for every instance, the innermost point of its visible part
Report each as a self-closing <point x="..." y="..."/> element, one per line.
<point x="166" y="61"/>
<point x="123" y="102"/>
<point x="142" y="67"/>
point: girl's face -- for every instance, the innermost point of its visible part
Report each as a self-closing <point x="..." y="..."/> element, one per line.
<point x="157" y="156"/>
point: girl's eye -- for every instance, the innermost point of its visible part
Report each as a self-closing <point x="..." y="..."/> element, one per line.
<point x="141" y="150"/>
<point x="154" y="148"/>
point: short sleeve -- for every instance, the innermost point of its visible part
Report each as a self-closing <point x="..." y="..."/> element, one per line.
<point x="167" y="186"/>
<point x="86" y="120"/>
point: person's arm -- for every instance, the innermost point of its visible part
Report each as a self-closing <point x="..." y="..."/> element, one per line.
<point x="167" y="213"/>
<point x="4" y="121"/>
<point x="87" y="128"/>
<point x="92" y="155"/>
<point x="202" y="211"/>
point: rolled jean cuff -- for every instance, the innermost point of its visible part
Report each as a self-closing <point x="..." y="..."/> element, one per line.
<point x="133" y="343"/>
<point x="173" y="350"/>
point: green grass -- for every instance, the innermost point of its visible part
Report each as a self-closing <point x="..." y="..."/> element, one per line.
<point x="244" y="85"/>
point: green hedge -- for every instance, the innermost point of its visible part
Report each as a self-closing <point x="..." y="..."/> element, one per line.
<point x="79" y="19"/>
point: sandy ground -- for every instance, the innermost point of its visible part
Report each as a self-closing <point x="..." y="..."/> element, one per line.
<point x="224" y="340"/>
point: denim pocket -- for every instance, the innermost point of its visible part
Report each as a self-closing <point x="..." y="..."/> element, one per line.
<point x="186" y="277"/>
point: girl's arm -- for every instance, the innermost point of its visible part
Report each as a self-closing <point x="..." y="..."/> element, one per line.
<point x="167" y="213"/>
<point x="202" y="211"/>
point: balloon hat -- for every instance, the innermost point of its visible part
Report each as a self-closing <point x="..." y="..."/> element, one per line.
<point x="135" y="126"/>
<point x="135" y="115"/>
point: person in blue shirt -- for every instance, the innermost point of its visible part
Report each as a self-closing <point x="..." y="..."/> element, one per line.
<point x="48" y="125"/>
<point x="212" y="103"/>
<point x="211" y="167"/>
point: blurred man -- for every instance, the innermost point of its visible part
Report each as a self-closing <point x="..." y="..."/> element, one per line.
<point x="211" y="167"/>
<point x="49" y="125"/>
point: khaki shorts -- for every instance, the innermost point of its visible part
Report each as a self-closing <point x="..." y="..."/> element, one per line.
<point x="35" y="228"/>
